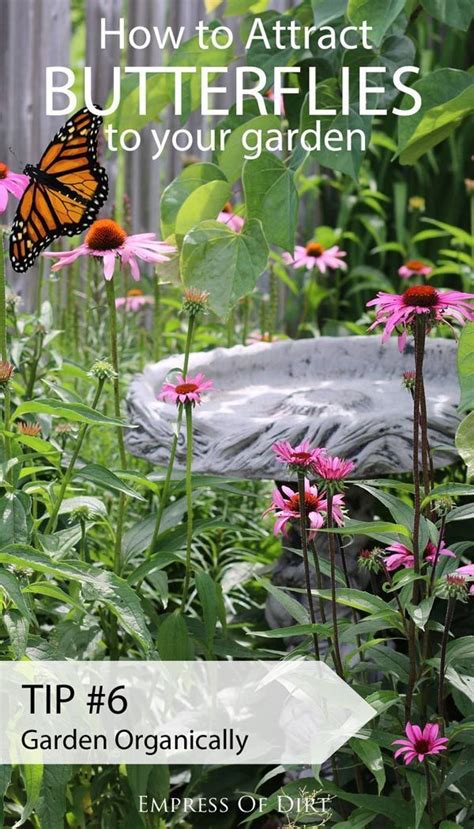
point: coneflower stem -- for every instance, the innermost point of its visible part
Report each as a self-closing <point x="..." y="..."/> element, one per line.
<point x="444" y="645"/>
<point x="332" y="552"/>
<point x="437" y="554"/>
<point x="51" y="525"/>
<point x="304" y="547"/>
<point x="319" y="580"/>
<point x="189" y="501"/>
<point x="429" y="793"/>
<point x="419" y="335"/>
<point x="4" y="347"/>
<point x="110" y="292"/>
<point x="174" y="443"/>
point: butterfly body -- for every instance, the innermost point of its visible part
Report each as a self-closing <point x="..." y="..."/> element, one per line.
<point x="66" y="191"/>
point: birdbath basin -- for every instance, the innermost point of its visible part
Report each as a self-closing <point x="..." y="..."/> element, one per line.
<point x="343" y="393"/>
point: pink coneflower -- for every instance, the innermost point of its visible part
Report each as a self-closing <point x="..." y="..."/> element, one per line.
<point x="403" y="557"/>
<point x="14" y="183"/>
<point x="420" y="744"/>
<point x="231" y="219"/>
<point x="394" y="310"/>
<point x="105" y="239"/>
<point x="315" y="255"/>
<point x="299" y="458"/>
<point x="186" y="389"/>
<point x="332" y="468"/>
<point x="135" y="300"/>
<point x="286" y="506"/>
<point x="414" y="267"/>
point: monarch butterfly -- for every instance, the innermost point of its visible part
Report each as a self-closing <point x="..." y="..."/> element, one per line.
<point x="66" y="191"/>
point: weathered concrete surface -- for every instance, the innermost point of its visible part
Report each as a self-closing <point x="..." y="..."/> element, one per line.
<point x="342" y="393"/>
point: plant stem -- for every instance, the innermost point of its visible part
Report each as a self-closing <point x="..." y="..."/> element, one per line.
<point x="34" y="366"/>
<point x="174" y="444"/>
<point x="304" y="547"/>
<point x="4" y="347"/>
<point x="110" y="292"/>
<point x="157" y="322"/>
<point x="332" y="551"/>
<point x="429" y="793"/>
<point x="437" y="553"/>
<point x="420" y="335"/>
<point x="319" y="580"/>
<point x="444" y="644"/>
<point x="189" y="500"/>
<point x="51" y="525"/>
<point x="245" y="319"/>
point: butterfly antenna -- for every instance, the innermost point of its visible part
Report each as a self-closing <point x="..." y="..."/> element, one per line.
<point x="15" y="156"/>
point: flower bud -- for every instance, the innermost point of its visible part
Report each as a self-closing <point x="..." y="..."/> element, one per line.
<point x="102" y="370"/>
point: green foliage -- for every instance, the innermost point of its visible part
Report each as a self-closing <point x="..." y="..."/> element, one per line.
<point x="271" y="197"/>
<point x="379" y="14"/>
<point x="212" y="250"/>
<point x="466" y="367"/>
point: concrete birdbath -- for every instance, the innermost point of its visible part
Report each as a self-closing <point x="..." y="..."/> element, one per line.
<point x="343" y="393"/>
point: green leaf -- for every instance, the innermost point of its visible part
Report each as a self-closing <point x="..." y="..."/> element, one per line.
<point x="419" y="792"/>
<point x="18" y="628"/>
<point x="175" y="195"/>
<point x="204" y="203"/>
<point x="346" y="160"/>
<point x="448" y="98"/>
<point x="5" y="777"/>
<point x="325" y="11"/>
<point x="207" y="596"/>
<point x="271" y="196"/>
<point x="103" y="477"/>
<point x="232" y="158"/>
<point x="456" y="13"/>
<point x="380" y="14"/>
<point x="174" y="642"/>
<point x="104" y="586"/>
<point x="224" y="263"/>
<point x="76" y="412"/>
<point x="466" y="367"/>
<point x="390" y="662"/>
<point x="15" y="520"/>
<point x="32" y="778"/>
<point x="52" y="804"/>
<point x="363" y="601"/>
<point x="11" y="586"/>
<point x="369" y="752"/>
<point x="465" y="443"/>
<point x="296" y="610"/>
<point x="460" y="650"/>
<point x="374" y="529"/>
<point x="42" y="447"/>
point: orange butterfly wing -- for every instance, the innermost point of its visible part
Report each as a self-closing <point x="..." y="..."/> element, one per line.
<point x="66" y="194"/>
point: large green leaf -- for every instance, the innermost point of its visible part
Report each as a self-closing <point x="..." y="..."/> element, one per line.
<point x="208" y="597"/>
<point x="465" y="443"/>
<point x="102" y="585"/>
<point x="32" y="777"/>
<point x="232" y="158"/>
<point x="456" y="13"/>
<point x="77" y="412"/>
<point x="5" y="777"/>
<point x="103" y="477"/>
<point x="174" y="196"/>
<point x="448" y="97"/>
<point x="325" y="11"/>
<point x="379" y="14"/>
<point x="271" y="196"/>
<point x="466" y="367"/>
<point x="10" y="584"/>
<point x="52" y="804"/>
<point x="419" y="790"/>
<point x="346" y="160"/>
<point x="369" y="752"/>
<point x="15" y="520"/>
<point x="224" y="263"/>
<point x="174" y="642"/>
<point x="204" y="203"/>
<point x="366" y="602"/>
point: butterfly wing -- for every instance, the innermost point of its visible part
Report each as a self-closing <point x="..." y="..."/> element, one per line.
<point x="65" y="197"/>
